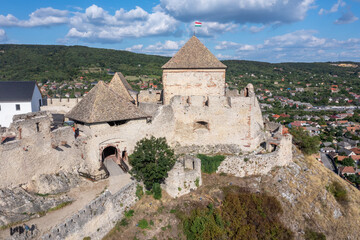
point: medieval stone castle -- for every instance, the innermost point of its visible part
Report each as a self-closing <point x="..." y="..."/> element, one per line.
<point x="195" y="112"/>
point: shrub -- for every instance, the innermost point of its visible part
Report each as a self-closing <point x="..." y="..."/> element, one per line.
<point x="337" y="191"/>
<point x="151" y="161"/>
<point x="312" y="235"/>
<point x="197" y="182"/>
<point x="139" y="191"/>
<point x="246" y="159"/>
<point x="243" y="215"/>
<point x="143" y="224"/>
<point x="304" y="141"/>
<point x="129" y="214"/>
<point x="157" y="191"/>
<point x="87" y="238"/>
<point x="124" y="222"/>
<point x="209" y="164"/>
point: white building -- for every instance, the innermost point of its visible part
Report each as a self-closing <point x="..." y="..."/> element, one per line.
<point x="18" y="98"/>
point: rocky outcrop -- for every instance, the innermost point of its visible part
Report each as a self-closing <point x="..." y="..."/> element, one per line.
<point x="16" y="205"/>
<point x="60" y="182"/>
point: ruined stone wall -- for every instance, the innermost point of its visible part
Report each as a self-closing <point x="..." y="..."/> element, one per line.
<point x="258" y="164"/>
<point x="150" y="96"/>
<point x="36" y="152"/>
<point x="97" y="218"/>
<point x="185" y="175"/>
<point x="187" y="82"/>
<point x="60" y="105"/>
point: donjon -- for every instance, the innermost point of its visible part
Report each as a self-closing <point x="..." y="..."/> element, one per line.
<point x="193" y="70"/>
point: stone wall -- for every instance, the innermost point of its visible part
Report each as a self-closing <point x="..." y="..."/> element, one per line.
<point x="60" y="105"/>
<point x="150" y="96"/>
<point x="185" y="176"/>
<point x="38" y="150"/>
<point x="187" y="82"/>
<point x="97" y="218"/>
<point x="258" y="164"/>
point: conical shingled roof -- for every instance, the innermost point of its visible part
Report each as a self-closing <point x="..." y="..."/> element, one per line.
<point x="193" y="55"/>
<point x="102" y="104"/>
<point x="119" y="85"/>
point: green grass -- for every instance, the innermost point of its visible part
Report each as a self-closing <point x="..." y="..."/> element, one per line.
<point x="338" y="192"/>
<point x="129" y="214"/>
<point x="61" y="205"/>
<point x="312" y="235"/>
<point x="209" y="164"/>
<point x="139" y="191"/>
<point x="143" y="224"/>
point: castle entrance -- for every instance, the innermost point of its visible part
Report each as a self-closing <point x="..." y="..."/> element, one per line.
<point x="110" y="152"/>
<point x="112" y="161"/>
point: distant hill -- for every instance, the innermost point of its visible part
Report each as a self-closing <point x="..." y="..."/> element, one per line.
<point x="63" y="63"/>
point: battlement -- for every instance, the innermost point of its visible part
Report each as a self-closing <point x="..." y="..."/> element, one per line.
<point x="211" y="101"/>
<point x="245" y="98"/>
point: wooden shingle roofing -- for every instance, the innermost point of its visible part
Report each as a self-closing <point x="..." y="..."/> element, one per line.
<point x="119" y="84"/>
<point x="102" y="104"/>
<point x="194" y="55"/>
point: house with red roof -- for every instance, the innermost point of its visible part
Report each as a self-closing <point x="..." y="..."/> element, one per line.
<point x="347" y="170"/>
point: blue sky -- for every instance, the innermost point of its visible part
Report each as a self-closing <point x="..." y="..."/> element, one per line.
<point x="261" y="30"/>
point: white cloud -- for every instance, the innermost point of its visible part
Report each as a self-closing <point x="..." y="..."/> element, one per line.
<point x="166" y="48"/>
<point x="135" y="48"/>
<point x="254" y="29"/>
<point x="226" y="45"/>
<point x="209" y="29"/>
<point x="3" y="36"/>
<point x="41" y="17"/>
<point x="346" y="17"/>
<point x="300" y="45"/>
<point x="245" y="11"/>
<point x="97" y="25"/>
<point x="334" y="8"/>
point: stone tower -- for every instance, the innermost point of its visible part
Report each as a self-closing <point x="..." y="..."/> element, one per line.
<point x="193" y="70"/>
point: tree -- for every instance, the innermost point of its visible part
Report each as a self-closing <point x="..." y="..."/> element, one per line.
<point x="348" y="162"/>
<point x="304" y="141"/>
<point x="151" y="161"/>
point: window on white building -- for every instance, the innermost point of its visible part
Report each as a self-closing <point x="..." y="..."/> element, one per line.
<point x="17" y="106"/>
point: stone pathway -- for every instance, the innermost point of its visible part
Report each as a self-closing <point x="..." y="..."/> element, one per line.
<point x="118" y="178"/>
<point x="83" y="194"/>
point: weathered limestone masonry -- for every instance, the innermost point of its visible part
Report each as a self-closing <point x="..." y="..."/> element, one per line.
<point x="37" y="150"/>
<point x="60" y="105"/>
<point x="258" y="164"/>
<point x="185" y="176"/>
<point x="215" y="120"/>
<point x="97" y="218"/>
<point x="204" y="82"/>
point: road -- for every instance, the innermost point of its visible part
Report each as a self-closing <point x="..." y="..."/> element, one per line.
<point x="327" y="162"/>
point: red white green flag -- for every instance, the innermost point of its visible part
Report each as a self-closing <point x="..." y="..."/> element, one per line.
<point x="198" y="24"/>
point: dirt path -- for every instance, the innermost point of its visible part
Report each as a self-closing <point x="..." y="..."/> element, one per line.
<point x="83" y="194"/>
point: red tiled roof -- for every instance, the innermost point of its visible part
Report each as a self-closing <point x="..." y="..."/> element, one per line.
<point x="356" y="150"/>
<point x="348" y="169"/>
<point x="355" y="157"/>
<point x="340" y="158"/>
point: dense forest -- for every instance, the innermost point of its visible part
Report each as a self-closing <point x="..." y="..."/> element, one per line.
<point x="63" y="63"/>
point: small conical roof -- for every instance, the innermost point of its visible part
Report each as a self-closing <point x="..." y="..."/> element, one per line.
<point x="102" y="104"/>
<point x="119" y="85"/>
<point x="193" y="55"/>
